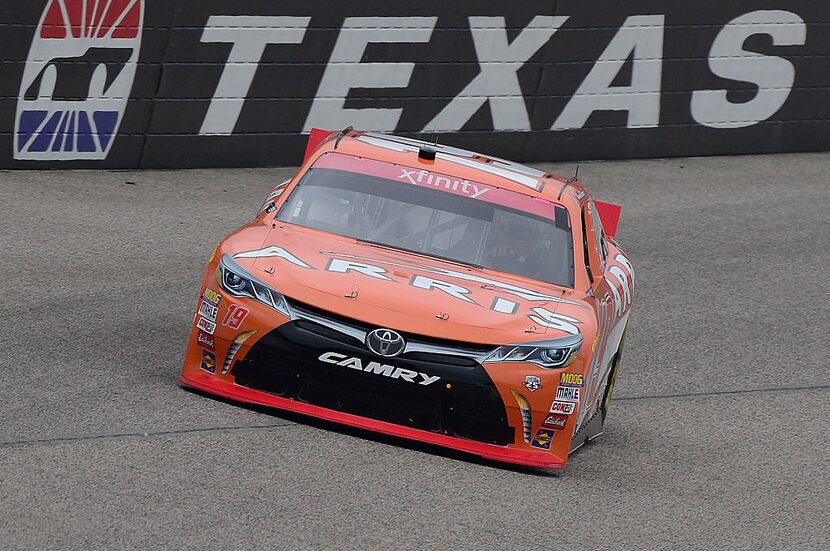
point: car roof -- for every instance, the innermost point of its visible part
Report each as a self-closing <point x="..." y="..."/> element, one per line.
<point x="455" y="162"/>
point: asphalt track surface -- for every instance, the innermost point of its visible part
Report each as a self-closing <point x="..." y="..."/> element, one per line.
<point x="718" y="437"/>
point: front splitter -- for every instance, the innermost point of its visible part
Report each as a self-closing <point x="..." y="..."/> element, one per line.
<point x="212" y="385"/>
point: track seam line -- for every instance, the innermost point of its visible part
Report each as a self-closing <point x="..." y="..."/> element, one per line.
<point x="231" y="428"/>
<point x="723" y="392"/>
<point x="142" y="434"/>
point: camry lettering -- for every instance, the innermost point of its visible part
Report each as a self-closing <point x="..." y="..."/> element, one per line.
<point x="378" y="368"/>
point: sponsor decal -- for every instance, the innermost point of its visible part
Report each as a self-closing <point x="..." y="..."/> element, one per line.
<point x="205" y="340"/>
<point x="353" y="263"/>
<point x="442" y="182"/>
<point x="565" y="408"/>
<point x="273" y="252"/>
<point x="620" y="276"/>
<point x="570" y="379"/>
<point x="379" y="369"/>
<point x="77" y="80"/>
<point x="236" y="344"/>
<point x="624" y="280"/>
<point x="208" y="310"/>
<point x="567" y="394"/>
<point x="270" y="202"/>
<point x="532" y="383"/>
<point x="208" y="361"/>
<point x="543" y="439"/>
<point x="235" y="316"/>
<point x="555" y="421"/>
<point x="210" y="295"/>
<point x="546" y="318"/>
<point x="426" y="178"/>
<point x="206" y="325"/>
<point x="527" y="416"/>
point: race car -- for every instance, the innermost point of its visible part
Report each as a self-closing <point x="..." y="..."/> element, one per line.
<point x="421" y="291"/>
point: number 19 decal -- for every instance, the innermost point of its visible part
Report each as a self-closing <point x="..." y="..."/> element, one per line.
<point x="235" y="316"/>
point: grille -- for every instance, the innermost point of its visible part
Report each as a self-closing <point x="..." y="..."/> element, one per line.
<point x="418" y="347"/>
<point x="464" y="402"/>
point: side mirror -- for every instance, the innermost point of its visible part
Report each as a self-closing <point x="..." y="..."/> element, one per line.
<point x="609" y="214"/>
<point x="316" y="136"/>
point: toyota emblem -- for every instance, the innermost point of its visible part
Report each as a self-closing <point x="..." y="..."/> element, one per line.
<point x="385" y="342"/>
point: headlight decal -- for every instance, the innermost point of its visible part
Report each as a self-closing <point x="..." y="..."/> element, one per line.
<point x="550" y="354"/>
<point x="527" y="416"/>
<point x="238" y="282"/>
<point x="236" y="344"/>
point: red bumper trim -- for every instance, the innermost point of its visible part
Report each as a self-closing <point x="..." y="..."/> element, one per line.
<point x="208" y="383"/>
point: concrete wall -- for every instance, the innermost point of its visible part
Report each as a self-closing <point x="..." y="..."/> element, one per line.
<point x="186" y="83"/>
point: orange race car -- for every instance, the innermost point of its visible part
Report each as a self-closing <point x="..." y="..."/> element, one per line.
<point x="425" y="292"/>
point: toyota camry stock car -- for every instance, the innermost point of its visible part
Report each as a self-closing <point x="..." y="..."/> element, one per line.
<point x="425" y="292"/>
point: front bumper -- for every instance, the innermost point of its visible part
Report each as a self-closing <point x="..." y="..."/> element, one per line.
<point x="473" y="408"/>
<point x="208" y="383"/>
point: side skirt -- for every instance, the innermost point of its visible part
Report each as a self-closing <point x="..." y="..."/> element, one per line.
<point x="589" y="431"/>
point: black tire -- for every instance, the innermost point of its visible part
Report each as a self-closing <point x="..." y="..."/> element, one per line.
<point x="612" y="378"/>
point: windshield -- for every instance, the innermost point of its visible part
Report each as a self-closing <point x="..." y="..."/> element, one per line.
<point x="436" y="215"/>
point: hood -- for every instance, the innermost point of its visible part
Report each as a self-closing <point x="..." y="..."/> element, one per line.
<point x="411" y="293"/>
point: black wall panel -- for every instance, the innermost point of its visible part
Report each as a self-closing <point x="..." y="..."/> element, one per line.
<point x="221" y="83"/>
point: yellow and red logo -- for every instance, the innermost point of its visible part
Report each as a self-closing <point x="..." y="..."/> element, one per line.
<point x="543" y="439"/>
<point x="208" y="361"/>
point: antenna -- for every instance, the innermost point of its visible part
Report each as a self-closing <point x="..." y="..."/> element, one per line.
<point x="341" y="135"/>
<point x="569" y="181"/>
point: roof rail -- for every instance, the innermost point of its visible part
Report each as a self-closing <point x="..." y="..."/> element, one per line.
<point x="516" y="172"/>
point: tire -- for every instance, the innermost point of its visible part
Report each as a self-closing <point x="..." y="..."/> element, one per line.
<point x="612" y="378"/>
